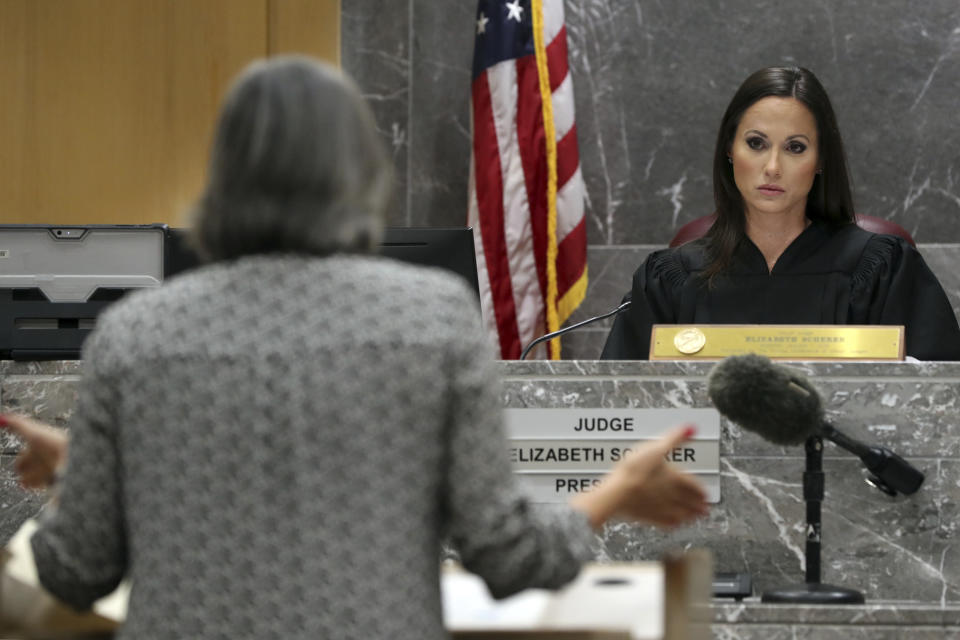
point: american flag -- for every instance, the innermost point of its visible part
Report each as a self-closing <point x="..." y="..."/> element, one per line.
<point x="526" y="189"/>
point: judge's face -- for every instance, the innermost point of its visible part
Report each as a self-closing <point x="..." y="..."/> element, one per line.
<point x="775" y="156"/>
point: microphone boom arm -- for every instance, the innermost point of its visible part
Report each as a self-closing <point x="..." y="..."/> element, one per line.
<point x="560" y="332"/>
<point x="890" y="473"/>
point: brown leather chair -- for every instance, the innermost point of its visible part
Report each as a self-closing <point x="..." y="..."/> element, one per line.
<point x="697" y="228"/>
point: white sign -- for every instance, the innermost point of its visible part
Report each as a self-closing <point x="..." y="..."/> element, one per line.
<point x="558" y="452"/>
<point x="560" y="487"/>
<point x="591" y="455"/>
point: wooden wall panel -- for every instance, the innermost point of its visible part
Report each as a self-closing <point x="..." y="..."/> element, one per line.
<point x="305" y="26"/>
<point x="16" y="111"/>
<point x="107" y="105"/>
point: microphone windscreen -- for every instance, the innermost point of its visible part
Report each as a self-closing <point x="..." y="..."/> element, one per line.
<point x="773" y="401"/>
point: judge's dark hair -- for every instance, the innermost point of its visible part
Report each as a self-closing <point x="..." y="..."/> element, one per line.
<point x="296" y="166"/>
<point x="829" y="199"/>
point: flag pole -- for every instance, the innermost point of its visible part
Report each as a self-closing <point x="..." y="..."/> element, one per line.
<point x="550" y="139"/>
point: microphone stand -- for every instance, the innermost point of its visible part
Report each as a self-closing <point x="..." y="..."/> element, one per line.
<point x="813" y="591"/>
<point x="557" y="334"/>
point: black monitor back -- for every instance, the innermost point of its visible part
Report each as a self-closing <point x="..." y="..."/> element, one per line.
<point x="448" y="248"/>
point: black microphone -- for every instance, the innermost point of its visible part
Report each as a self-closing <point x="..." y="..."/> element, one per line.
<point x="782" y="406"/>
<point x="550" y="336"/>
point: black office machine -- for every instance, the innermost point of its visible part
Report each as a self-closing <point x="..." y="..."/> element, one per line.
<point x="55" y="280"/>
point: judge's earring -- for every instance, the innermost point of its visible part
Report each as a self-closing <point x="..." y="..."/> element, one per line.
<point x="729" y="159"/>
<point x="819" y="171"/>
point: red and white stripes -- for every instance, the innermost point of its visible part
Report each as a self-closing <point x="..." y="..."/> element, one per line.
<point x="526" y="192"/>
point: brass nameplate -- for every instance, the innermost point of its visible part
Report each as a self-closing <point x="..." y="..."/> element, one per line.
<point x="777" y="341"/>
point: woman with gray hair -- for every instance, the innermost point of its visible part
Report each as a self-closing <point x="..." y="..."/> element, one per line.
<point x="275" y="444"/>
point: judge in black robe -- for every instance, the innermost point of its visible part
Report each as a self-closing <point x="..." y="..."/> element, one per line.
<point x="779" y="136"/>
<point x="827" y="275"/>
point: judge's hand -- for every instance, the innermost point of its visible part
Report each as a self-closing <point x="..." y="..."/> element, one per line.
<point x="645" y="488"/>
<point x="43" y="453"/>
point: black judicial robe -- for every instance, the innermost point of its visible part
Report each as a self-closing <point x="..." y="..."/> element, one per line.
<point x="827" y="275"/>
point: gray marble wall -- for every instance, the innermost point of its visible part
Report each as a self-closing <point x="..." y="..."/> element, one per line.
<point x="652" y="79"/>
<point x="901" y="552"/>
<point x="893" y="549"/>
<point x="46" y="390"/>
<point x="902" y="548"/>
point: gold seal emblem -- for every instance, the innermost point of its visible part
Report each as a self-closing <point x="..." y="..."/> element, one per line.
<point x="689" y="341"/>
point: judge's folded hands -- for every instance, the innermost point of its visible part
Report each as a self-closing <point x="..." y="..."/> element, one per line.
<point x="642" y="487"/>
<point x="646" y="488"/>
<point x="44" y="450"/>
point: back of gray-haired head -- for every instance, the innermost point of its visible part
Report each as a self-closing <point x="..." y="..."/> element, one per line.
<point x="296" y="165"/>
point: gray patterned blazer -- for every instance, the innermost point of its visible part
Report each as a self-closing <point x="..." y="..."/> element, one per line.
<point x="276" y="447"/>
